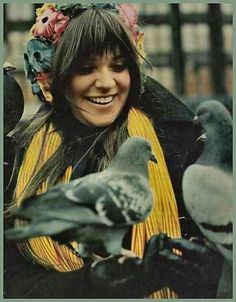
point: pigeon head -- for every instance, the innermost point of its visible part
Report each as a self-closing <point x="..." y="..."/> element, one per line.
<point x="213" y="116"/>
<point x="217" y="124"/>
<point x="134" y="154"/>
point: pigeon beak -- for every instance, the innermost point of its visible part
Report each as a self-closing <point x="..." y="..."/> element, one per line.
<point x="202" y="138"/>
<point x="196" y="120"/>
<point x="153" y="158"/>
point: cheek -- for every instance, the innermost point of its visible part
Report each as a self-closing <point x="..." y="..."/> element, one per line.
<point x="124" y="81"/>
<point x="78" y="85"/>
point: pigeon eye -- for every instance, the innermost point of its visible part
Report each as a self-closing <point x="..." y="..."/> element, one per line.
<point x="149" y="148"/>
<point x="205" y="115"/>
<point x="201" y="111"/>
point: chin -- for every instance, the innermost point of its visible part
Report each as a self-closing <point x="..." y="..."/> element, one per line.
<point x="102" y="123"/>
<point x="98" y="120"/>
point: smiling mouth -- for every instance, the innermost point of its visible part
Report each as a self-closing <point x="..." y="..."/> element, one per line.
<point x="101" y="100"/>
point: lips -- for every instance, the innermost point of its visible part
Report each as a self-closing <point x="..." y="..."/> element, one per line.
<point x="101" y="100"/>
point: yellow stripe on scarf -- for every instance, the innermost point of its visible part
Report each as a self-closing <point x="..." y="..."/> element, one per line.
<point x="163" y="218"/>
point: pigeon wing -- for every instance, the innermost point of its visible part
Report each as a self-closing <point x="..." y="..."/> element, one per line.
<point x="208" y="198"/>
<point x="117" y="197"/>
<point x="38" y="228"/>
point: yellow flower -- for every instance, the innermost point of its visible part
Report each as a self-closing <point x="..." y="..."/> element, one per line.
<point x="45" y="88"/>
<point x="139" y="45"/>
<point x="41" y="10"/>
<point x="32" y="30"/>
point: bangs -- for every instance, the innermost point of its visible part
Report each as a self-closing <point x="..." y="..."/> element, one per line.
<point x="98" y="32"/>
<point x="93" y="33"/>
<point x="103" y="34"/>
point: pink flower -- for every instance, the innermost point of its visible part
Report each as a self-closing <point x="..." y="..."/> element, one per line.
<point x="50" y="24"/>
<point x="60" y="26"/>
<point x="129" y="14"/>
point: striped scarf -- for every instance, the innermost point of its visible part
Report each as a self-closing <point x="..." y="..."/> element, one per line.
<point x="163" y="218"/>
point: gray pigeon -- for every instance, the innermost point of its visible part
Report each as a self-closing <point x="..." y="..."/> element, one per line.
<point x="95" y="210"/>
<point x="13" y="99"/>
<point x="207" y="184"/>
<point x="208" y="187"/>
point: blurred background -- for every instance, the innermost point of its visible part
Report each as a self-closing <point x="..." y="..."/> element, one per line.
<point x="189" y="45"/>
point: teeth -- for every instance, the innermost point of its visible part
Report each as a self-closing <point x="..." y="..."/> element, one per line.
<point x="101" y="100"/>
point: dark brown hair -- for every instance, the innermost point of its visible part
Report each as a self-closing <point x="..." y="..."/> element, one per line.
<point x="93" y="33"/>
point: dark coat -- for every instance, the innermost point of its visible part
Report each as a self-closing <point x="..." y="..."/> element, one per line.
<point x="177" y="135"/>
<point x="173" y="122"/>
<point x="13" y="101"/>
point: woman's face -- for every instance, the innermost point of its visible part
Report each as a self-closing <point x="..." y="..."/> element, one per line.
<point x="97" y="93"/>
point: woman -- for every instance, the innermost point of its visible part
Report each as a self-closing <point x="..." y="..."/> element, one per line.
<point x="95" y="88"/>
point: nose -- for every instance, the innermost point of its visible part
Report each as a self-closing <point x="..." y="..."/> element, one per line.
<point x="105" y="79"/>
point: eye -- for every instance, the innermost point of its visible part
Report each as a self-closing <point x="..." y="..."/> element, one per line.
<point x="119" y="65"/>
<point x="85" y="69"/>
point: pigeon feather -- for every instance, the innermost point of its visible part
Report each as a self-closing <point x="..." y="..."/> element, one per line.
<point x="95" y="210"/>
<point x="207" y="184"/>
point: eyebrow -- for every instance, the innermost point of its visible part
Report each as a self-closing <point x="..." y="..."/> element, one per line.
<point x="92" y="59"/>
<point x="120" y="56"/>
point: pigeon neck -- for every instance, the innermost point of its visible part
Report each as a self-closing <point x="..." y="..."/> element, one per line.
<point x="138" y="166"/>
<point x="217" y="151"/>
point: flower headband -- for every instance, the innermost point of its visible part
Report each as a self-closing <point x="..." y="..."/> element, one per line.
<point x="51" y="22"/>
